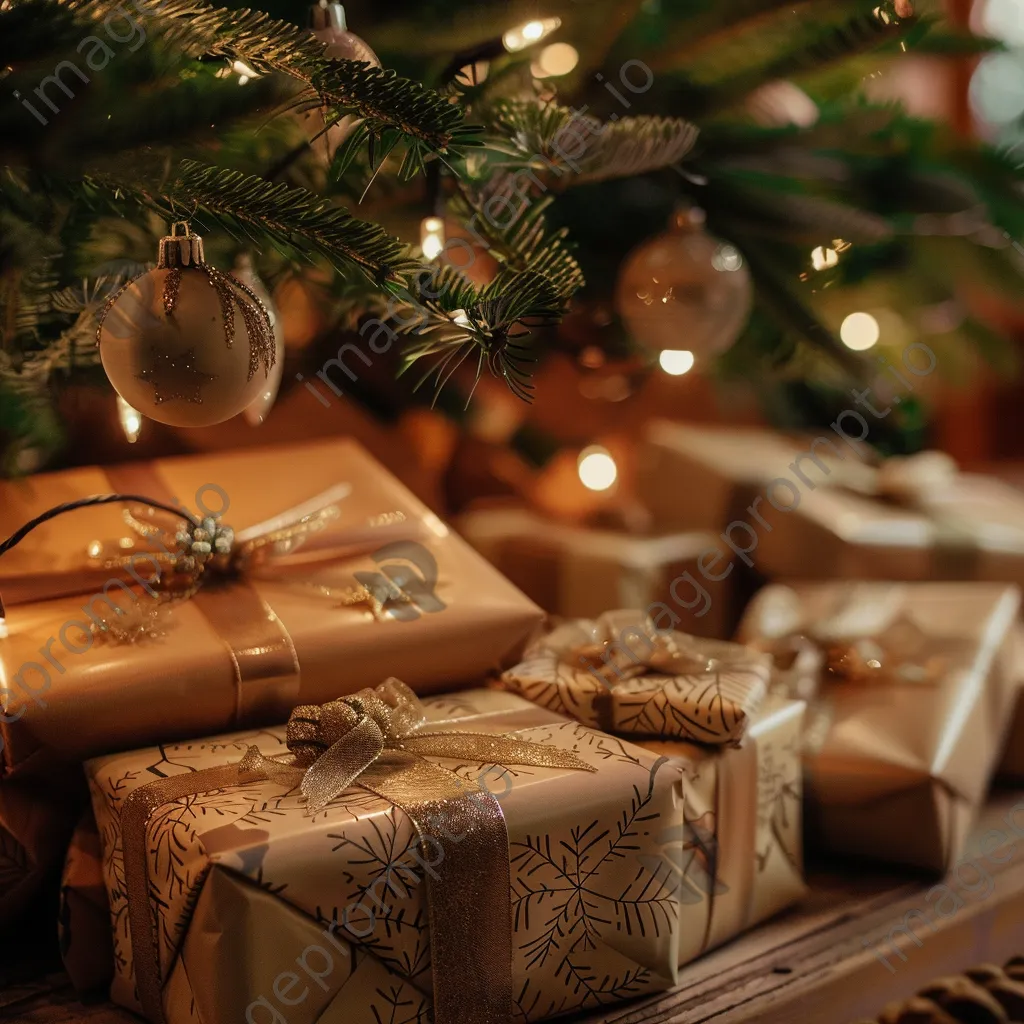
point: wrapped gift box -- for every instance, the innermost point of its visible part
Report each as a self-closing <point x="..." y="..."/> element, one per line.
<point x="818" y="507"/>
<point x="910" y="690"/>
<point x="577" y="571"/>
<point x="1011" y="765"/>
<point x="383" y="588"/>
<point x="618" y="876"/>
<point x="84" y="924"/>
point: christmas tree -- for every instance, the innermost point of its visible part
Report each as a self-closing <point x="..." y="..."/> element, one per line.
<point x="463" y="205"/>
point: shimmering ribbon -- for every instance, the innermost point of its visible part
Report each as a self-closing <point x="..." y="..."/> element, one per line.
<point x="619" y="672"/>
<point x="379" y="740"/>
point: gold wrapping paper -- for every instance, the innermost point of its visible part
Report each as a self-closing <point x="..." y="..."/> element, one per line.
<point x="815" y="515"/>
<point x="895" y="769"/>
<point x="239" y="653"/>
<point x="617" y="877"/>
<point x="581" y="572"/>
<point x="620" y="673"/>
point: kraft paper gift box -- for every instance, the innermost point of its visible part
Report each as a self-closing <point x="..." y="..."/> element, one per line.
<point x="827" y="507"/>
<point x="383" y="588"/>
<point x="84" y="923"/>
<point x="578" y="571"/>
<point x="910" y="694"/>
<point x="613" y="878"/>
<point x="1011" y="765"/>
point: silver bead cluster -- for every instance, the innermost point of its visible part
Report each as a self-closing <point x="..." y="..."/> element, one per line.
<point x="208" y="545"/>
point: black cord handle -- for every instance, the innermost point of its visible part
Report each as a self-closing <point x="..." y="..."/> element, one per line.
<point x="70" y="506"/>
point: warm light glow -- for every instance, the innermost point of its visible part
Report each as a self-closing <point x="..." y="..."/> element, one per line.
<point x="727" y="257"/>
<point x="131" y="420"/>
<point x="822" y="258"/>
<point x="676" y="361"/>
<point x="243" y="71"/>
<point x="859" y="331"/>
<point x="521" y="36"/>
<point x="556" y="59"/>
<point x="460" y="317"/>
<point x="597" y="468"/>
<point x="473" y="74"/>
<point x="432" y="236"/>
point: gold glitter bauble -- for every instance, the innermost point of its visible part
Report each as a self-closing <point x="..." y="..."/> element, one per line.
<point x="685" y="290"/>
<point x="186" y="344"/>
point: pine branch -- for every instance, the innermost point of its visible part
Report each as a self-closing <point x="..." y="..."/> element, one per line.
<point x="565" y="141"/>
<point x="267" y="45"/>
<point x="254" y="210"/>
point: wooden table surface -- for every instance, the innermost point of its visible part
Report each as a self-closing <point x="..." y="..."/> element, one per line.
<point x="821" y="963"/>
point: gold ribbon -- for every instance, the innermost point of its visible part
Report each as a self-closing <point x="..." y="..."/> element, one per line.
<point x="619" y="672"/>
<point x="379" y="740"/>
<point x="263" y="656"/>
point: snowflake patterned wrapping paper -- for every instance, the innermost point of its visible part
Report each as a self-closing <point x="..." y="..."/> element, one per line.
<point x="617" y="877"/>
<point x="910" y="692"/>
<point x="244" y="652"/>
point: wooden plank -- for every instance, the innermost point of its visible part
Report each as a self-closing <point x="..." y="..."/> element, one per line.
<point x="818" y="964"/>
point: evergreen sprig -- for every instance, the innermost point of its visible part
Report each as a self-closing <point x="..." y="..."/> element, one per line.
<point x="555" y="138"/>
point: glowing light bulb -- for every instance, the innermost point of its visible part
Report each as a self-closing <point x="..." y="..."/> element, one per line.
<point x="131" y="420"/>
<point x="727" y="257"/>
<point x="432" y="237"/>
<point x="556" y="59"/>
<point x="243" y="71"/>
<point x="531" y="32"/>
<point x="822" y="258"/>
<point x="597" y="468"/>
<point x="460" y="317"/>
<point x="676" y="361"/>
<point x="859" y="331"/>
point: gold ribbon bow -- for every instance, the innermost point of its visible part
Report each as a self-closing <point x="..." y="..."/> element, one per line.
<point x="621" y="674"/>
<point x="380" y="740"/>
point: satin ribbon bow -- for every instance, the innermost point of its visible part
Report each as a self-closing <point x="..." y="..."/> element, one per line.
<point x="332" y="745"/>
<point x="865" y="640"/>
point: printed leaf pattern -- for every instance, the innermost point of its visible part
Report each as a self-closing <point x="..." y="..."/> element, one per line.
<point x="593" y="924"/>
<point x="610" y="673"/>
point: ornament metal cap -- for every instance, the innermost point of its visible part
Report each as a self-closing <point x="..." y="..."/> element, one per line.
<point x="180" y="250"/>
<point x="327" y="15"/>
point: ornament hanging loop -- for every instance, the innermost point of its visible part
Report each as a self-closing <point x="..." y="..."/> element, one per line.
<point x="180" y="250"/>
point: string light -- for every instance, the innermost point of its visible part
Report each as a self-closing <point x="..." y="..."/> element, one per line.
<point x="522" y="36"/>
<point x="859" y="331"/>
<point x="131" y="420"/>
<point x="822" y="258"/>
<point x="676" y="361"/>
<point x="243" y="71"/>
<point x="432" y="237"/>
<point x="554" y="60"/>
<point x="597" y="468"/>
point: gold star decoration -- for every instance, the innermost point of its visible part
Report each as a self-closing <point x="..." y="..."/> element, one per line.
<point x="175" y="377"/>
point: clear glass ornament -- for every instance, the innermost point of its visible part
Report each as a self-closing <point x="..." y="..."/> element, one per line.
<point x="685" y="289"/>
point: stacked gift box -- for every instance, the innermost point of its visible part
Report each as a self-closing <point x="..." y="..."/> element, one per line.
<point x="333" y="754"/>
<point x="375" y="787"/>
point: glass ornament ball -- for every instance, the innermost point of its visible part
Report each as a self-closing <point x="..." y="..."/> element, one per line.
<point x="685" y="289"/>
<point x="256" y="413"/>
<point x="186" y="344"/>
